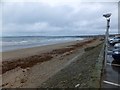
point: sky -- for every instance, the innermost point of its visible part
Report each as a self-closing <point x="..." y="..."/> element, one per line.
<point x="57" y="17"/>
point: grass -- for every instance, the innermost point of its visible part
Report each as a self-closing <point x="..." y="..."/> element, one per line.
<point x="80" y="72"/>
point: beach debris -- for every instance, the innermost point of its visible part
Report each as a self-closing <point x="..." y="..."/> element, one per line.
<point x="28" y="62"/>
<point x="28" y="69"/>
<point x="77" y="85"/>
<point x="23" y="80"/>
<point x="24" y="70"/>
<point x="5" y="84"/>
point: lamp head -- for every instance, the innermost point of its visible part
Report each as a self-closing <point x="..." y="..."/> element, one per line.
<point x="107" y="15"/>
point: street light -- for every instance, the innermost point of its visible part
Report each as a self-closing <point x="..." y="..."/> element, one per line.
<point x="107" y="16"/>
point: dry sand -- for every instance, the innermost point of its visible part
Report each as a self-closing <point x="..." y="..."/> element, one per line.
<point x="31" y="67"/>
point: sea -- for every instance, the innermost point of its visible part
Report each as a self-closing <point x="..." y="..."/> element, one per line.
<point x="20" y="42"/>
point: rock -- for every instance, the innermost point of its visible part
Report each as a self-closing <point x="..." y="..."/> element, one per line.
<point x="77" y="85"/>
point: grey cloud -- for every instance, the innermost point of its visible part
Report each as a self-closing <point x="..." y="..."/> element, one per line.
<point x="33" y="12"/>
<point x="43" y="19"/>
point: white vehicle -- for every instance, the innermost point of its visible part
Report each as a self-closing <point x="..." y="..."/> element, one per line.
<point x="117" y="45"/>
<point x="114" y="40"/>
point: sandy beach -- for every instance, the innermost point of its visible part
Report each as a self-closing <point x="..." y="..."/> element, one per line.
<point x="29" y="68"/>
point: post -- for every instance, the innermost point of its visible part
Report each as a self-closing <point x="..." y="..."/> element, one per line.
<point x="106" y="40"/>
<point x="107" y="16"/>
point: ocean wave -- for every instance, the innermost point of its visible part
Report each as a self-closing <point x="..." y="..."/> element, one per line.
<point x="25" y="42"/>
<point x="12" y="43"/>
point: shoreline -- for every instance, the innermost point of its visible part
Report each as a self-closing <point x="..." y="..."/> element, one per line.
<point x="29" y="57"/>
<point x="10" y="46"/>
<point x="24" y="71"/>
<point x="25" y="52"/>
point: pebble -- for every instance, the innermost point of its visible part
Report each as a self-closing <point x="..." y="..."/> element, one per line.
<point x="77" y="85"/>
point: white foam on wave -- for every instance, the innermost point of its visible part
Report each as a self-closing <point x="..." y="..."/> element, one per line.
<point x="12" y="43"/>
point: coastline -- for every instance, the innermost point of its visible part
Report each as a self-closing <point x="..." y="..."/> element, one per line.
<point x="16" y="43"/>
<point x="22" y="68"/>
<point x="25" y="52"/>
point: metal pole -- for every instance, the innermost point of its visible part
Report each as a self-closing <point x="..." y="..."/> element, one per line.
<point x="106" y="40"/>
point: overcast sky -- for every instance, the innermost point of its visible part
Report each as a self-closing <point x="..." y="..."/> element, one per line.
<point x="57" y="17"/>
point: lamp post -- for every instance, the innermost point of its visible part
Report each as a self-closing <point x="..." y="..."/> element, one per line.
<point x="107" y="16"/>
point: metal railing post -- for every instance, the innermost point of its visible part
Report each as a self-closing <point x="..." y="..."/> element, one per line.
<point x="106" y="40"/>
